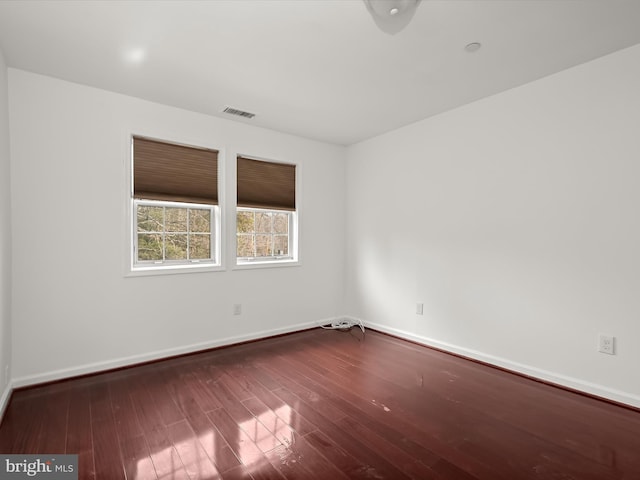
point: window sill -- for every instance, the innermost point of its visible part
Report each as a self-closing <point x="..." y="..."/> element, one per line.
<point x="266" y="264"/>
<point x="172" y="270"/>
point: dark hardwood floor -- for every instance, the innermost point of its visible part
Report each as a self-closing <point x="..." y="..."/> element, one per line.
<point x="325" y="405"/>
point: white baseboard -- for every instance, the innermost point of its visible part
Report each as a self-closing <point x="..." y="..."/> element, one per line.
<point x="547" y="376"/>
<point x="4" y="399"/>
<point x="157" y="355"/>
<point x="551" y="377"/>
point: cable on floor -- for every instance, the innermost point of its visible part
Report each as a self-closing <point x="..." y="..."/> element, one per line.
<point x="344" y="325"/>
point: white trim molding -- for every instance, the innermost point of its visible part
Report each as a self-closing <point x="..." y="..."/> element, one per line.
<point x="4" y="399"/>
<point x="518" y="368"/>
<point x="98" y="367"/>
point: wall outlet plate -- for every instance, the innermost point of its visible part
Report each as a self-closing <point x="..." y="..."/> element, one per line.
<point x="606" y="344"/>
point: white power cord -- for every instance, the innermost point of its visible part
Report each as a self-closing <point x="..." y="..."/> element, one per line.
<point x="344" y="324"/>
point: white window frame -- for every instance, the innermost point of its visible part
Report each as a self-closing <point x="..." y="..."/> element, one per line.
<point x="275" y="260"/>
<point x="295" y="229"/>
<point x="154" y="264"/>
<point x="130" y="266"/>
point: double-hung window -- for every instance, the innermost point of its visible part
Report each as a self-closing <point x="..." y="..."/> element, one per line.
<point x="175" y="205"/>
<point x="266" y="220"/>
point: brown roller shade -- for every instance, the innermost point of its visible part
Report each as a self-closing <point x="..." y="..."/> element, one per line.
<point x="165" y="171"/>
<point x="266" y="184"/>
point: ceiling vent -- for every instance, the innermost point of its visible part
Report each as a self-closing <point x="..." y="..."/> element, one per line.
<point x="239" y="113"/>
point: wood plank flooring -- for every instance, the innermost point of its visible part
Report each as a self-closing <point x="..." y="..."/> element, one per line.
<point x="323" y="404"/>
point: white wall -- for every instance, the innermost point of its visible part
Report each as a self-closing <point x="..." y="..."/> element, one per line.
<point x="73" y="308"/>
<point x="5" y="237"/>
<point x="516" y="221"/>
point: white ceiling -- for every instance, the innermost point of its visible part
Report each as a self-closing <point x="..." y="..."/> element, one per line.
<point x="321" y="69"/>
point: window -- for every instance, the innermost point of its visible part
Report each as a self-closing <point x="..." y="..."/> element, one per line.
<point x="266" y="221"/>
<point x="170" y="232"/>
<point x="175" y="205"/>
<point x="263" y="234"/>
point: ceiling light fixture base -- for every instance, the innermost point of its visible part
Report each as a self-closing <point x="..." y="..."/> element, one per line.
<point x="391" y="16"/>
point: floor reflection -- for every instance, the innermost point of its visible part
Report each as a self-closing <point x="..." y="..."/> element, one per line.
<point x="270" y="429"/>
<point x="166" y="465"/>
<point x="206" y="453"/>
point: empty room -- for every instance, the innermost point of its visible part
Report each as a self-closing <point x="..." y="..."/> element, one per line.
<point x="320" y="239"/>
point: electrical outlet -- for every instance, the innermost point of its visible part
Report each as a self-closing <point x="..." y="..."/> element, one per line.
<point x="419" y="308"/>
<point x="606" y="344"/>
<point x="237" y="309"/>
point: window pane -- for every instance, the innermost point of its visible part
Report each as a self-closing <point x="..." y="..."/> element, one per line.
<point x="150" y="219"/>
<point x="263" y="235"/>
<point x="176" y="219"/>
<point x="200" y="247"/>
<point x="176" y="246"/>
<point x="281" y="245"/>
<point x="199" y="220"/>
<point x="280" y="223"/>
<point x="174" y="232"/>
<point x="263" y="222"/>
<point x="149" y="247"/>
<point x="245" y="246"/>
<point x="245" y="222"/>
<point x="263" y="246"/>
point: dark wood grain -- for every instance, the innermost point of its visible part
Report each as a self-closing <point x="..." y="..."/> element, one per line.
<point x="323" y="405"/>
